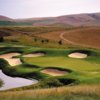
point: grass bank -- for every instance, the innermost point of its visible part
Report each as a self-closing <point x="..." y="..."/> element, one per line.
<point x="81" y="92"/>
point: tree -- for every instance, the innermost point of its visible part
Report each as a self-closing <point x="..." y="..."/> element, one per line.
<point x="47" y="40"/>
<point x="42" y="41"/>
<point x="60" y="42"/>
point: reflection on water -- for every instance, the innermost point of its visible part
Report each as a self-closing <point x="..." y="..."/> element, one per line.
<point x="10" y="82"/>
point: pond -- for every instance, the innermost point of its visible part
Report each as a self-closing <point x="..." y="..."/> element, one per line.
<point x="14" y="82"/>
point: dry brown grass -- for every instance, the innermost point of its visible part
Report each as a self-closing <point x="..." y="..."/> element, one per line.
<point x="53" y="36"/>
<point x="85" y="36"/>
<point x="89" y="37"/>
<point x="82" y="90"/>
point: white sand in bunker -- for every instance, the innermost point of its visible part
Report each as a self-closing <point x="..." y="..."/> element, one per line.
<point x="9" y="57"/>
<point x="34" y="55"/>
<point x="77" y="55"/>
<point x="54" y="72"/>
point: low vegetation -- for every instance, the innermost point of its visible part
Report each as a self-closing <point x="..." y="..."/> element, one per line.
<point x="50" y="36"/>
<point x="81" y="92"/>
<point x="1" y="83"/>
<point x="81" y="82"/>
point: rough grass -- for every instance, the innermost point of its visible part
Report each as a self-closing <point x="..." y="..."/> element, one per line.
<point x="88" y="37"/>
<point x="1" y="82"/>
<point x="25" y="36"/>
<point x="81" y="92"/>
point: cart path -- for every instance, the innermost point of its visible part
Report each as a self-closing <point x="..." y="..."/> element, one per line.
<point x="71" y="42"/>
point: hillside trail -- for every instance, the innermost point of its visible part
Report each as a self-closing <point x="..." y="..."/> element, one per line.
<point x="72" y="42"/>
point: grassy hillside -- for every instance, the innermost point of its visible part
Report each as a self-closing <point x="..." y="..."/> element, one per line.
<point x="50" y="36"/>
<point x="26" y="36"/>
<point x="82" y="92"/>
<point x="92" y="19"/>
<point x="84" y="36"/>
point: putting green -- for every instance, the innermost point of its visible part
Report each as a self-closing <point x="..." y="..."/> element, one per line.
<point x="64" y="62"/>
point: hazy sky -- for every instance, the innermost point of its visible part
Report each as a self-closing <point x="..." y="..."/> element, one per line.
<point x="45" y="8"/>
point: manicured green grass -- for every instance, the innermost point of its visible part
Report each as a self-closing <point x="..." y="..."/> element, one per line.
<point x="64" y="62"/>
<point x="84" y="71"/>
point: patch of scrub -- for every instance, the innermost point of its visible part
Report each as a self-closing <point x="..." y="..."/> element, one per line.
<point x="12" y="61"/>
<point x="1" y="82"/>
<point x="10" y="82"/>
<point x="54" y="72"/>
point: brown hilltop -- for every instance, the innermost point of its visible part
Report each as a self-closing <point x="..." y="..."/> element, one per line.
<point x="92" y="19"/>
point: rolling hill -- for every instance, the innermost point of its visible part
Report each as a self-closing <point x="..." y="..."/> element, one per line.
<point x="4" y="18"/>
<point x="92" y="19"/>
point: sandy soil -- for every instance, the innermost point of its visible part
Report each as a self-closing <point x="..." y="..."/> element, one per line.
<point x="11" y="61"/>
<point x="77" y="55"/>
<point x="34" y="55"/>
<point x="54" y="72"/>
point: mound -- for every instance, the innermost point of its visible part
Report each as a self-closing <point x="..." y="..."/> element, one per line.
<point x="54" y="72"/>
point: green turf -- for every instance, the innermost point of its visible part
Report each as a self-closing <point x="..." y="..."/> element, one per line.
<point x="84" y="71"/>
<point x="64" y="62"/>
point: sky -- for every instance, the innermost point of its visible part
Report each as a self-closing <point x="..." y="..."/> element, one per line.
<point x="47" y="8"/>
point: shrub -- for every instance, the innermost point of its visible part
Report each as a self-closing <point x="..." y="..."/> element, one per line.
<point x="3" y="63"/>
<point x="1" y="83"/>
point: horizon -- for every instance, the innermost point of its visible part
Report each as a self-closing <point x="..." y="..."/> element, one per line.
<point x="50" y="16"/>
<point x="18" y="9"/>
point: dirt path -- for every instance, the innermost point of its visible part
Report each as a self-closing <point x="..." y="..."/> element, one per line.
<point x="71" y="42"/>
<point x="68" y="41"/>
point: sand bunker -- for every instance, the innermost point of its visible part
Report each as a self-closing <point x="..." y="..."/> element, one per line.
<point x="34" y="55"/>
<point x="77" y="55"/>
<point x="9" y="57"/>
<point x="54" y="72"/>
